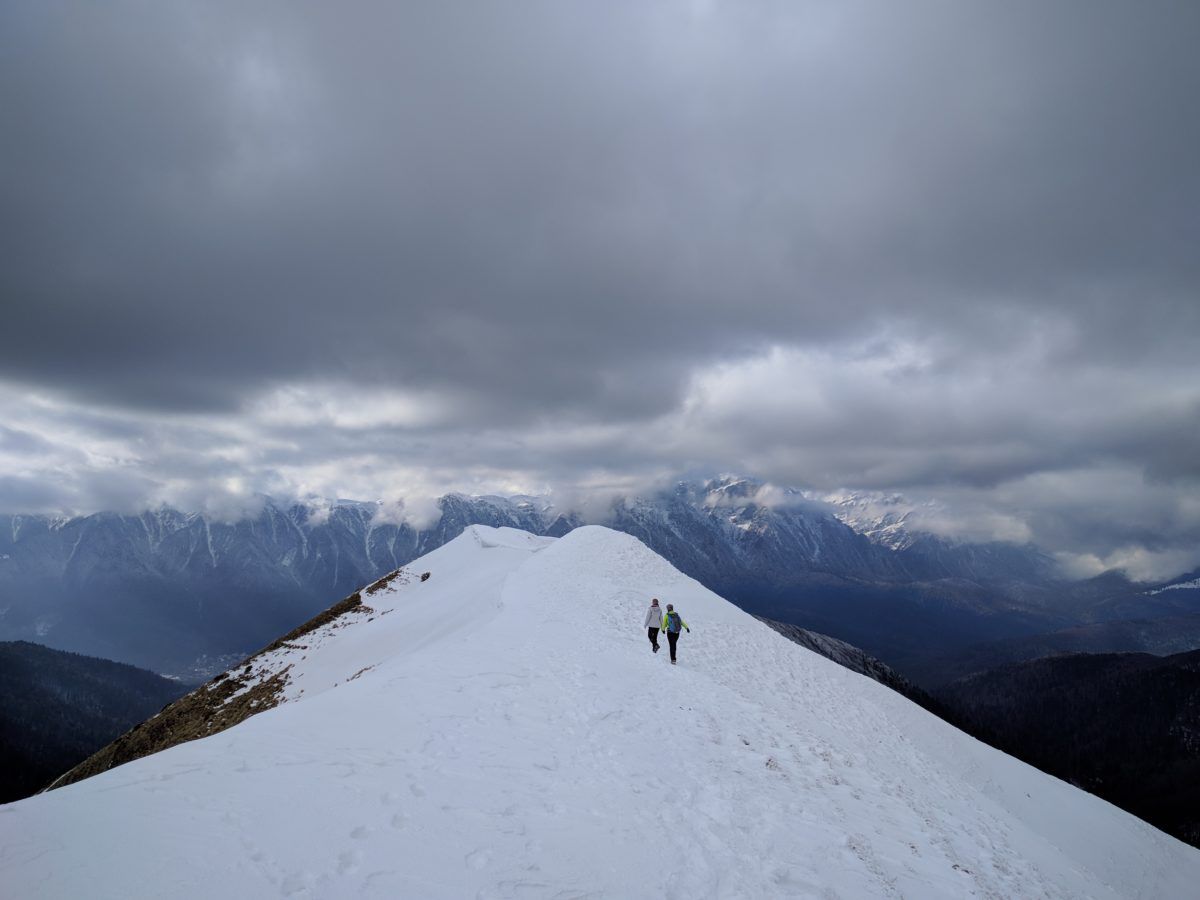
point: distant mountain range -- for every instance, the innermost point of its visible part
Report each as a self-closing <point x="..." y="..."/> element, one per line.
<point x="187" y="595"/>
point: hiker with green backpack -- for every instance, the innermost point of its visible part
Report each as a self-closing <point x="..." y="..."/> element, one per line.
<point x="672" y="622"/>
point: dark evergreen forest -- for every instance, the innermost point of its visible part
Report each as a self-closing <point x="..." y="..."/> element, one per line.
<point x="1125" y="726"/>
<point x="57" y="708"/>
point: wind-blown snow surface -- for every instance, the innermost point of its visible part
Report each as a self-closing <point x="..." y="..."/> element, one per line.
<point x="513" y="736"/>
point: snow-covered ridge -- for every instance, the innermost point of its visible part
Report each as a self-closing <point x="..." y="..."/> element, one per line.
<point x="317" y="656"/>
<point x="344" y="649"/>
<point x="501" y="729"/>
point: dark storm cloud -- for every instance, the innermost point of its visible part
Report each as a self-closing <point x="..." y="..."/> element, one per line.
<point x="16" y="441"/>
<point x="201" y="199"/>
<point x="937" y="246"/>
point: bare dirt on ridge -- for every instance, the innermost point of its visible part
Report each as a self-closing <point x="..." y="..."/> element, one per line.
<point x="248" y="688"/>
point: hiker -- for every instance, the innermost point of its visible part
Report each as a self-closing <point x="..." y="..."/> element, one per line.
<point x="653" y="620"/>
<point x="671" y="623"/>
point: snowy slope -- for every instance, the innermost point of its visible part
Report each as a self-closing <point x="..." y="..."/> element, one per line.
<point x="502" y="730"/>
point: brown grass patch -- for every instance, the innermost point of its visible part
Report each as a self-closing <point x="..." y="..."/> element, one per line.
<point x="384" y="581"/>
<point x="212" y="707"/>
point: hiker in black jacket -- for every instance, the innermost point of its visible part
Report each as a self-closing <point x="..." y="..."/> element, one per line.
<point x="672" y="622"/>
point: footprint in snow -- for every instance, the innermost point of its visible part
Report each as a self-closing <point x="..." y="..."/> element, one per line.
<point x="295" y="884"/>
<point x="478" y="859"/>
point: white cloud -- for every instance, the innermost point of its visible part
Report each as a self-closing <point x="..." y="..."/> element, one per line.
<point x="350" y="406"/>
<point x="1138" y="563"/>
<point x="418" y="512"/>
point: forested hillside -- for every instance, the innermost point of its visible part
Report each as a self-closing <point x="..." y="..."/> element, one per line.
<point x="1124" y="726"/>
<point x="58" y="708"/>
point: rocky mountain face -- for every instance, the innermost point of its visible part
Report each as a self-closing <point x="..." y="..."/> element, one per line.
<point x="889" y="522"/>
<point x="186" y="595"/>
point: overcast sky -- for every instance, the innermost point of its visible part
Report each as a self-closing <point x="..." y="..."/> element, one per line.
<point x="947" y="249"/>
